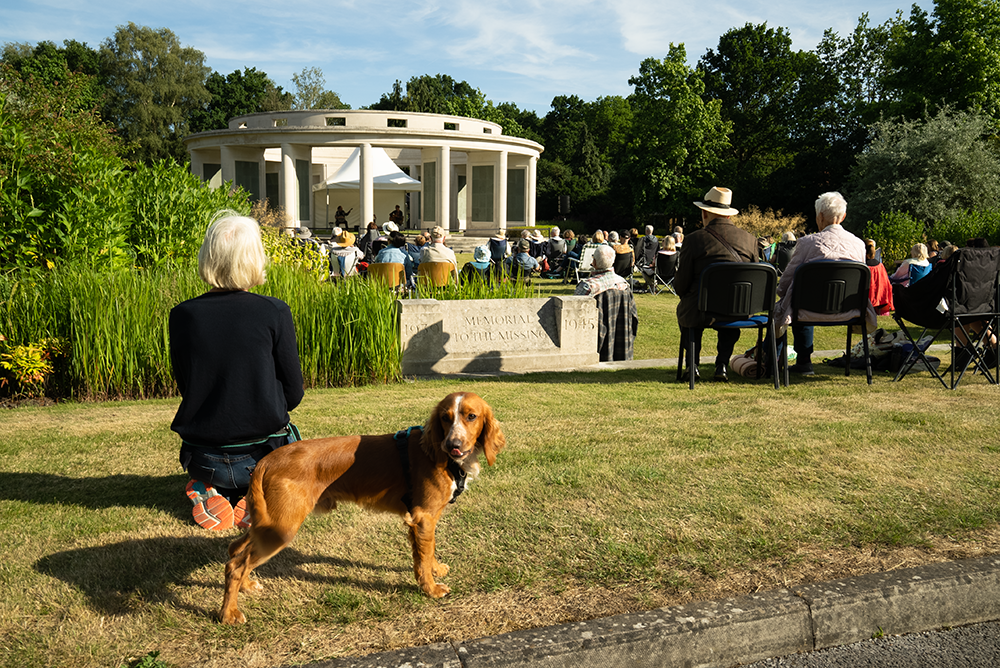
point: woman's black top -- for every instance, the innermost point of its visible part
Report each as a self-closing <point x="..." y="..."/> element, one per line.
<point x="236" y="363"/>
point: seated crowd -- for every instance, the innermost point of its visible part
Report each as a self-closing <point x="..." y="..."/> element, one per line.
<point x="612" y="260"/>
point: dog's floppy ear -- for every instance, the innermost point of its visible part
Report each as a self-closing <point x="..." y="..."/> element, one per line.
<point x="491" y="438"/>
<point x="433" y="433"/>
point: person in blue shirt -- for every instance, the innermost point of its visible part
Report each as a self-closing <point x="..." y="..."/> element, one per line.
<point x="522" y="260"/>
<point x="395" y="251"/>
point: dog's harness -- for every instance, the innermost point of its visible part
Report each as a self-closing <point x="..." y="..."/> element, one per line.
<point x="459" y="474"/>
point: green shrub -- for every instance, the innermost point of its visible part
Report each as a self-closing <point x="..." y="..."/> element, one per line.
<point x="961" y="227"/>
<point x="895" y="233"/>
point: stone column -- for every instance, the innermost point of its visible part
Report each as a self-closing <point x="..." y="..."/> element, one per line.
<point x="444" y="188"/>
<point x="529" y="196"/>
<point x="500" y="205"/>
<point x="366" y="184"/>
<point x="228" y="160"/>
<point x="288" y="186"/>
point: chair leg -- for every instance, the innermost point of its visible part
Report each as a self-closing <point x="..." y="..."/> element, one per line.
<point x="864" y="338"/>
<point x="847" y="355"/>
<point x="692" y="363"/>
<point x="680" y="356"/>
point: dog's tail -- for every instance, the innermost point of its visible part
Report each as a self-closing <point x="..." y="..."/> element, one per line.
<point x="256" y="502"/>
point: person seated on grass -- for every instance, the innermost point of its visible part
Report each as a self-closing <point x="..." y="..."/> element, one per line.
<point x="396" y="252"/>
<point x="345" y="254"/>
<point x="236" y="364"/>
<point x="920" y="302"/>
<point x="718" y="240"/>
<point x="603" y="277"/>
<point x="555" y="247"/>
<point x="479" y="269"/>
<point x="521" y="263"/>
<point x="645" y="250"/>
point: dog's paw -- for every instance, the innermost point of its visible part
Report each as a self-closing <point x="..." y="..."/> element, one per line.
<point x="250" y="585"/>
<point x="235" y="616"/>
<point x="440" y="570"/>
<point x="438" y="591"/>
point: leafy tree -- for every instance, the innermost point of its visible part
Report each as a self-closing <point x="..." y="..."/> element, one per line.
<point x="677" y="136"/>
<point x="311" y="93"/>
<point x="755" y="76"/>
<point x="233" y="95"/>
<point x="949" y="58"/>
<point x="441" y="94"/>
<point x="930" y="169"/>
<point x="47" y="65"/>
<point x="153" y="86"/>
<point x="584" y="143"/>
<point x="60" y="175"/>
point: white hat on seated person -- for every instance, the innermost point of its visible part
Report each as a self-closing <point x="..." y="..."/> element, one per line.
<point x="718" y="200"/>
<point x="389" y="227"/>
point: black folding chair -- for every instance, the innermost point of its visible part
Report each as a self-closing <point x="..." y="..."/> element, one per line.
<point x="960" y="293"/>
<point x="666" y="269"/>
<point x="624" y="266"/>
<point x="734" y="294"/>
<point x="831" y="288"/>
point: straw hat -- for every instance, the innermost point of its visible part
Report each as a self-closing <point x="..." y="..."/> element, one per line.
<point x="717" y="200"/>
<point x="345" y="239"/>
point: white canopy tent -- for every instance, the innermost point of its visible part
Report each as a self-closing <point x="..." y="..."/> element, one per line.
<point x="388" y="182"/>
<point x="385" y="174"/>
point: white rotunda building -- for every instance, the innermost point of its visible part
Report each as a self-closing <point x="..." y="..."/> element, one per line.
<point x="460" y="173"/>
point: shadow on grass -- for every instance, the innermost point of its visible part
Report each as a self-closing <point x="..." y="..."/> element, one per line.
<point x="163" y="493"/>
<point x="124" y="578"/>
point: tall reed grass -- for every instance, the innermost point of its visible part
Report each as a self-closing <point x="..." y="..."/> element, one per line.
<point x="114" y="325"/>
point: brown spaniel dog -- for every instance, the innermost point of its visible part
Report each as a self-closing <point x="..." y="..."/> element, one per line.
<point x="415" y="473"/>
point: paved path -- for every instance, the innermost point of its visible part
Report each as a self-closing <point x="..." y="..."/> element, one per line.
<point x="739" y="631"/>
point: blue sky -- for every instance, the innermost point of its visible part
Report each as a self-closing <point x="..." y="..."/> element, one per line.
<point x="520" y="51"/>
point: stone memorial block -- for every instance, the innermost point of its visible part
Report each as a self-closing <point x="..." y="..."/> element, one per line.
<point x="488" y="335"/>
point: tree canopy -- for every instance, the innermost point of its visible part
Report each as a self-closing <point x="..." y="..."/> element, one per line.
<point x="777" y="125"/>
<point x="152" y="86"/>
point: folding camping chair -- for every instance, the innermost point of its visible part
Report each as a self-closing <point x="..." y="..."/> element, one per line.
<point x="959" y="294"/>
<point x="666" y="269"/>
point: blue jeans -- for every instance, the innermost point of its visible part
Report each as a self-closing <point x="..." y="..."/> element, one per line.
<point x="228" y="470"/>
<point x="802" y="336"/>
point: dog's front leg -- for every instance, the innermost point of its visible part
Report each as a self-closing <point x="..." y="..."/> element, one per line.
<point x="425" y="564"/>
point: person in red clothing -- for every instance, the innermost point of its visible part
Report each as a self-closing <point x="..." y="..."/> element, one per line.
<point x="236" y="363"/>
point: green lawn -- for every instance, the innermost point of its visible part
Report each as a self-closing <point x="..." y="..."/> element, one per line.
<point x="616" y="492"/>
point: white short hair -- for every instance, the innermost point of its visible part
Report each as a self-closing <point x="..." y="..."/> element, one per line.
<point x="604" y="257"/>
<point x="649" y="229"/>
<point x="554" y="232"/>
<point x="232" y="256"/>
<point x="832" y="205"/>
<point x="612" y="237"/>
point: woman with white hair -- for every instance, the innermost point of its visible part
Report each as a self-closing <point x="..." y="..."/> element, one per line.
<point x="236" y="363"/>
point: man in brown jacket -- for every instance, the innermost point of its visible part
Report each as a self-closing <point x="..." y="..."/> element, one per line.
<point x="702" y="248"/>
